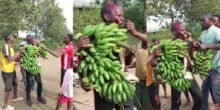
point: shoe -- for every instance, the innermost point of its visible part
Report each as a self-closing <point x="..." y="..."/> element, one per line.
<point x="29" y="101"/>
<point x="9" y="108"/>
<point x="17" y="99"/>
<point x="42" y="100"/>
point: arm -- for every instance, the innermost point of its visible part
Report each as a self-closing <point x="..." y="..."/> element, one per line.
<point x="52" y="52"/>
<point x="131" y="28"/>
<point x="153" y="55"/>
<point x="122" y="59"/>
<point x="6" y="53"/>
<point x="211" y="46"/>
<point x="132" y="65"/>
<point x="140" y="36"/>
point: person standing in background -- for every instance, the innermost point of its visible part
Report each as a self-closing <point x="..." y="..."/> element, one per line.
<point x="8" y="57"/>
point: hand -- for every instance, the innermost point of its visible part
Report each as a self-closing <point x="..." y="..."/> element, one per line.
<point x="157" y="52"/>
<point x="86" y="87"/>
<point x="21" y="50"/>
<point x="130" y="26"/>
<point x="82" y="42"/>
<point x="203" y="46"/>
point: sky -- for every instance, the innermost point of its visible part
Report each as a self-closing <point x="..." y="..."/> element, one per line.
<point x="67" y="6"/>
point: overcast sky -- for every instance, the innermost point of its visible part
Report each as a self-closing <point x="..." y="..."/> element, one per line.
<point x="67" y="6"/>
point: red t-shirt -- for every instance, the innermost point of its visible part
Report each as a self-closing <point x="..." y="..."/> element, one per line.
<point x="66" y="57"/>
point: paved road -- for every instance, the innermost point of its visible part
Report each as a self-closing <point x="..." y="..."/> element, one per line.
<point x="51" y="76"/>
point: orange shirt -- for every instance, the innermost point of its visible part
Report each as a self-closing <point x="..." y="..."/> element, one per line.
<point x="149" y="74"/>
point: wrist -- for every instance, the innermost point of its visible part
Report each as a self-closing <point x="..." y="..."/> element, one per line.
<point x="133" y="32"/>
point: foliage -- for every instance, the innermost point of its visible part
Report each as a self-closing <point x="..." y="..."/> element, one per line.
<point x="195" y="29"/>
<point x="43" y="17"/>
<point x="189" y="10"/>
<point x="11" y="16"/>
<point x="85" y="16"/>
<point x="50" y="43"/>
<point x="164" y="34"/>
<point x="135" y="13"/>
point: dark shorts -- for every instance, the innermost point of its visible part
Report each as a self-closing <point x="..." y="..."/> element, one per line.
<point x="152" y="89"/>
<point x="9" y="80"/>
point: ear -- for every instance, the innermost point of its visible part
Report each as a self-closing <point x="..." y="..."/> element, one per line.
<point x="107" y="17"/>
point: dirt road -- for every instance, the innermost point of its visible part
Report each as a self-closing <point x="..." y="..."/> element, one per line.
<point x="51" y="76"/>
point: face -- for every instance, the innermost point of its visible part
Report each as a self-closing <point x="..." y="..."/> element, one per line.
<point x="181" y="32"/>
<point x="155" y="42"/>
<point x="11" y="38"/>
<point x="205" y="22"/>
<point x="66" y="39"/>
<point x="34" y="41"/>
<point x="215" y="20"/>
<point x="117" y="16"/>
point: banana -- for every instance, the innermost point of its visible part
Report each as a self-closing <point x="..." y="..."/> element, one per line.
<point x="98" y="65"/>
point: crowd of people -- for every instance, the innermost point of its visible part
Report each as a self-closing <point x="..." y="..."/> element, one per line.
<point x="144" y="62"/>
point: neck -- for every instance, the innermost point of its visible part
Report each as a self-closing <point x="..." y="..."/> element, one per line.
<point x="209" y="27"/>
<point x="9" y="43"/>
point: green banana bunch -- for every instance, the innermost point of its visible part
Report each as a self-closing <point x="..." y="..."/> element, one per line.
<point x="202" y="62"/>
<point x="42" y="52"/>
<point x="99" y="65"/>
<point x="171" y="66"/>
<point x="28" y="59"/>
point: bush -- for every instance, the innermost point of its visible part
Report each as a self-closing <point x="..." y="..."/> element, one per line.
<point x="51" y="43"/>
<point x="85" y="16"/>
<point x="135" y="13"/>
<point x="195" y="29"/>
<point x="164" y="34"/>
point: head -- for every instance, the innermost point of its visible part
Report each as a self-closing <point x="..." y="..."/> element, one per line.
<point x="34" y="41"/>
<point x="112" y="13"/>
<point x="179" y="30"/>
<point x="206" y="21"/>
<point x="155" y="41"/>
<point x="29" y="39"/>
<point x="216" y="20"/>
<point x="68" y="38"/>
<point x="9" y="38"/>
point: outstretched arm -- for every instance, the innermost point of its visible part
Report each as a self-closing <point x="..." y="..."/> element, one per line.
<point x="131" y="28"/>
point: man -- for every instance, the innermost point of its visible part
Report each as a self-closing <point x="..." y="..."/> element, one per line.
<point x="179" y="31"/>
<point x="27" y="42"/>
<point x="30" y="82"/>
<point x="216" y="20"/>
<point x="113" y="13"/>
<point x="145" y="89"/>
<point x="210" y="39"/>
<point x="8" y="57"/>
<point x="66" y="55"/>
<point x="157" y="77"/>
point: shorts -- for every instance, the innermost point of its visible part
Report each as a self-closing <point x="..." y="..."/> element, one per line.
<point x="63" y="99"/>
<point x="9" y="80"/>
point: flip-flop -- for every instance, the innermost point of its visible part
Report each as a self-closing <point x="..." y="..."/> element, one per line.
<point x="9" y="108"/>
<point x="17" y="99"/>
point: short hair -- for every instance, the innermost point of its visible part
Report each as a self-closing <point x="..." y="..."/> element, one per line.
<point x="209" y="16"/>
<point x="218" y="16"/>
<point x="29" y="38"/>
<point x="154" y="40"/>
<point x="108" y="8"/>
<point x="70" y="36"/>
<point x="176" y="25"/>
<point x="6" y="37"/>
